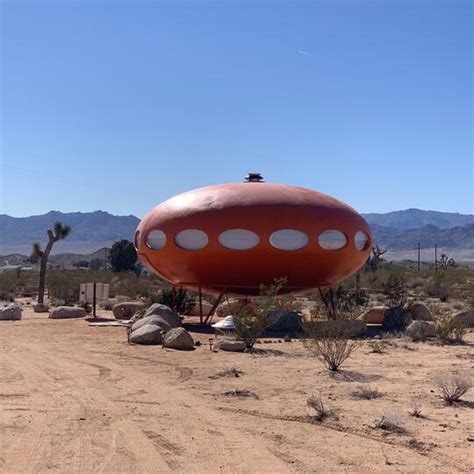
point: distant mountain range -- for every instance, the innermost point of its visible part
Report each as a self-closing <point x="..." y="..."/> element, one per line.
<point x="398" y="231"/>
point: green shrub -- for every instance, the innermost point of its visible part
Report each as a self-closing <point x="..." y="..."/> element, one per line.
<point x="179" y="300"/>
<point x="396" y="319"/>
<point x="395" y="290"/>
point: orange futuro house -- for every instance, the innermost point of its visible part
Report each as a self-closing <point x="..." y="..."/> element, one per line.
<point x="232" y="238"/>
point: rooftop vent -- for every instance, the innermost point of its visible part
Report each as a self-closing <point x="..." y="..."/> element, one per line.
<point x="254" y="178"/>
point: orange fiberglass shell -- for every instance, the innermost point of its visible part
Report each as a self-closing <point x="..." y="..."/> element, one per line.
<point x="235" y="237"/>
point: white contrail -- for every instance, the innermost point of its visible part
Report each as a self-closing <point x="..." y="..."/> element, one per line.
<point x="300" y="51"/>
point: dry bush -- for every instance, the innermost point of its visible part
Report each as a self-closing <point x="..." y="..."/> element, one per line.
<point x="377" y="347"/>
<point x="390" y="421"/>
<point x="448" y="327"/>
<point x="321" y="411"/>
<point x="228" y="372"/>
<point x="331" y="345"/>
<point x="241" y="393"/>
<point x="416" y="411"/>
<point x="250" y="322"/>
<point x="452" y="387"/>
<point x="366" y="393"/>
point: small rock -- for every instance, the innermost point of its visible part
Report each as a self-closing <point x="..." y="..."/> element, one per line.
<point x="287" y="338"/>
<point x="67" y="312"/>
<point x="231" y="346"/>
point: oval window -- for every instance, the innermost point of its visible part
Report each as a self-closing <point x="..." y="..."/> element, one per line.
<point x="136" y="240"/>
<point x="156" y="239"/>
<point x="238" y="239"/>
<point x="332" y="240"/>
<point x="361" y="239"/>
<point x="191" y="239"/>
<point x="289" y="239"/>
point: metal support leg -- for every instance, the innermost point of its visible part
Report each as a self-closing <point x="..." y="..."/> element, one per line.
<point x="214" y="307"/>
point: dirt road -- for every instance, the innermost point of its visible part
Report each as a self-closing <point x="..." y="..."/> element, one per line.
<point x="79" y="399"/>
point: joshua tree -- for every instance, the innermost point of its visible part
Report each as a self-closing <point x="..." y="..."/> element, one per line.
<point x="375" y="259"/>
<point x="58" y="232"/>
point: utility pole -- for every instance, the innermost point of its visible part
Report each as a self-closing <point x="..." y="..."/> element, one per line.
<point x="419" y="251"/>
<point x="436" y="256"/>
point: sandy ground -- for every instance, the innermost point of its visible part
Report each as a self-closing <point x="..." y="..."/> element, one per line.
<point x="79" y="399"/>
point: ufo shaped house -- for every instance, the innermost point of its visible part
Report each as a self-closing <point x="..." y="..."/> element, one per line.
<point x="235" y="237"/>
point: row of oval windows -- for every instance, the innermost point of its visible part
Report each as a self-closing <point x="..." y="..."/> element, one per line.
<point x="241" y="239"/>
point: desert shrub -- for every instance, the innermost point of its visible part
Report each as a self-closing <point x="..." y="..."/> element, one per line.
<point x="366" y="393"/>
<point x="396" y="318"/>
<point x="330" y="344"/>
<point x="250" y="322"/>
<point x="448" y="327"/>
<point x="452" y="387"/>
<point x="340" y="304"/>
<point x="439" y="285"/>
<point x="64" y="286"/>
<point x="321" y="411"/>
<point x="377" y="347"/>
<point x="391" y="421"/>
<point x="395" y="290"/>
<point x="179" y="300"/>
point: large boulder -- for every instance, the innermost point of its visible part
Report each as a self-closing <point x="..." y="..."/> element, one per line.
<point x="165" y="312"/>
<point x="374" y="315"/>
<point x="11" y="312"/>
<point x="230" y="346"/>
<point x="179" y="338"/>
<point x="195" y="310"/>
<point x="67" y="312"/>
<point x="126" y="310"/>
<point x="338" y="328"/>
<point x="147" y="334"/>
<point x="41" y="308"/>
<point x="419" y="330"/>
<point x="419" y="312"/>
<point x="234" y="306"/>
<point x="155" y="320"/>
<point x="285" y="321"/>
<point x="466" y="318"/>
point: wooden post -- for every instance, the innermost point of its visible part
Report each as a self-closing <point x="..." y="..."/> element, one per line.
<point x="94" y="297"/>
<point x="200" y="304"/>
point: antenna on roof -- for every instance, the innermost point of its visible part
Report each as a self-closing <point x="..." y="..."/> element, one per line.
<point x="254" y="178"/>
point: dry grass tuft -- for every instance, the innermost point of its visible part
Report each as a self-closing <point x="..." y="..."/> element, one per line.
<point x="377" y="347"/>
<point x="321" y="411"/>
<point x="416" y="411"/>
<point x="391" y="422"/>
<point x="228" y="372"/>
<point x="453" y="387"/>
<point x="366" y="393"/>
<point x="241" y="393"/>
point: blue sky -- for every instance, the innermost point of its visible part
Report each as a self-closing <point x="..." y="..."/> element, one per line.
<point x="119" y="105"/>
